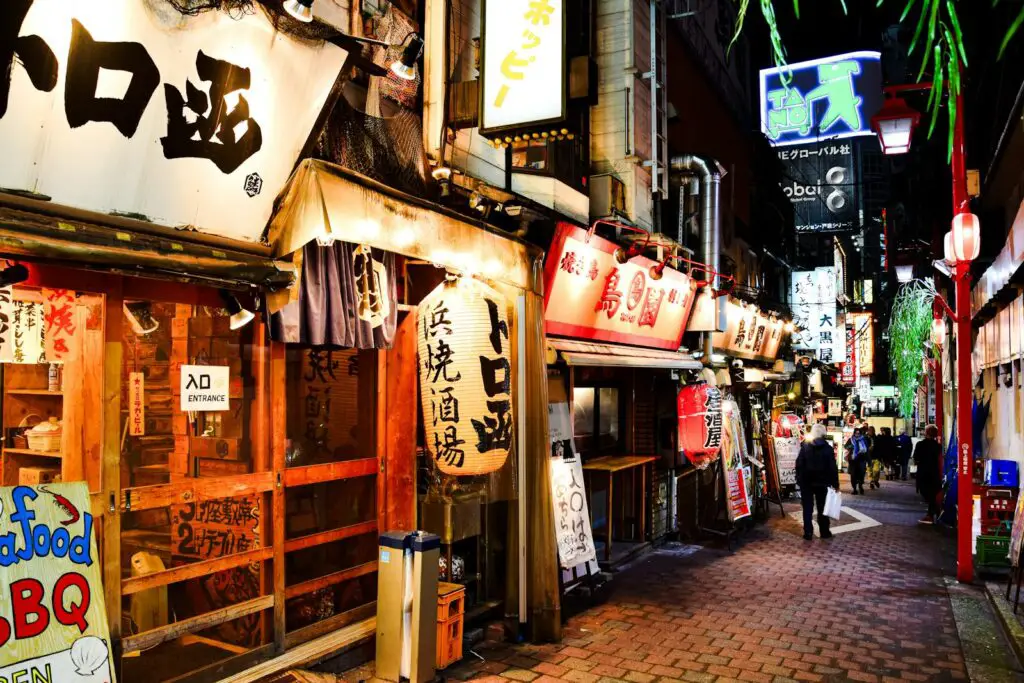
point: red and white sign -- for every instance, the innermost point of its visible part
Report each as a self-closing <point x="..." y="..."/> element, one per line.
<point x="749" y="333"/>
<point x="59" y="317"/>
<point x="850" y="366"/>
<point x="588" y="294"/>
<point x="136" y="404"/>
<point x="700" y="423"/>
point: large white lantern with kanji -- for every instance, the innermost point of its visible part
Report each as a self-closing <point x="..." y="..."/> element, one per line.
<point x="465" y="372"/>
<point x="966" y="237"/>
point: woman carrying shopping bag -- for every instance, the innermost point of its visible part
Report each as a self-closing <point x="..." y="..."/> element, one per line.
<point x="816" y="472"/>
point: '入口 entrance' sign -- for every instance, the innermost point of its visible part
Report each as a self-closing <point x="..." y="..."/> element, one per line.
<point x="205" y="388"/>
<point x="133" y="107"/>
<point x="588" y="294"/>
<point x="53" y="623"/>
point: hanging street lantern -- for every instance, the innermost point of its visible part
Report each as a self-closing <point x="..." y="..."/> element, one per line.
<point x="895" y="123"/>
<point x="938" y="331"/>
<point x="965" y="237"/>
<point x="465" y="375"/>
<point x="700" y="423"/>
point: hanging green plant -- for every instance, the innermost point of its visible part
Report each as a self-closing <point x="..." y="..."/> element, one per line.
<point x="909" y="331"/>
<point x="942" y="47"/>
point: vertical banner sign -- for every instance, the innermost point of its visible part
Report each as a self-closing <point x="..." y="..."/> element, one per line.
<point x="523" y="64"/>
<point x="136" y="404"/>
<point x="28" y="333"/>
<point x="700" y="423"/>
<point x="59" y="315"/>
<point x="6" y="324"/>
<point x="53" y="622"/>
<point x="466" y="377"/>
<point x="814" y="311"/>
<point x="835" y="407"/>
<point x="864" y="331"/>
<point x="572" y="517"/>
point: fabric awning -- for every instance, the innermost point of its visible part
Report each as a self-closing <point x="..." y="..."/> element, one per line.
<point x="327" y="202"/>
<point x="588" y="354"/>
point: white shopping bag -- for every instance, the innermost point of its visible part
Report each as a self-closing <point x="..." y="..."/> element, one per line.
<point x="833" y="504"/>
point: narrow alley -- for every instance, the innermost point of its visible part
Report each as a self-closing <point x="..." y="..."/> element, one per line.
<point x="871" y="604"/>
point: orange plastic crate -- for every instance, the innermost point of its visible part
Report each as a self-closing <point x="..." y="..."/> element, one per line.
<point x="449" y="641"/>
<point x="451" y="601"/>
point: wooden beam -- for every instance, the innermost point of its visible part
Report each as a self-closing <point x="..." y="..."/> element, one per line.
<point x="110" y="463"/>
<point x="137" y="584"/>
<point x="331" y="471"/>
<point x="313" y="631"/>
<point x="195" y="491"/>
<point x="310" y="653"/>
<point x="156" y="636"/>
<point x="323" y="537"/>
<point x="278" y="440"/>
<point x="330" y="580"/>
<point x="215" y="672"/>
<point x="397" y="492"/>
<point x="259" y="432"/>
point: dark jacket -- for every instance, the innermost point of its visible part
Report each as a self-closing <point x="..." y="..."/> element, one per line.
<point x="904" y="446"/>
<point x="816" y="465"/>
<point x="928" y="458"/>
<point x="885" y="449"/>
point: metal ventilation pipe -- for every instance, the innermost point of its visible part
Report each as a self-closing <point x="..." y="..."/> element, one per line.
<point x="709" y="174"/>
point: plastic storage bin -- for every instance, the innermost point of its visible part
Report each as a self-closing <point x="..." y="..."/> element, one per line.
<point x="1002" y="473"/>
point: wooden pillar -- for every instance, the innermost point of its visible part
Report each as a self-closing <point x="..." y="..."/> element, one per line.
<point x="543" y="595"/>
<point x="278" y="436"/>
<point x="397" y="396"/>
<point x="110" y="470"/>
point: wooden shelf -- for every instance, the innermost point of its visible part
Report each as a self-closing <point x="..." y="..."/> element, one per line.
<point x="34" y="392"/>
<point x="29" y="451"/>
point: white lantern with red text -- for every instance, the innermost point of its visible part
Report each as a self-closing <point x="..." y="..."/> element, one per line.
<point x="966" y="237"/>
<point x="465" y="375"/>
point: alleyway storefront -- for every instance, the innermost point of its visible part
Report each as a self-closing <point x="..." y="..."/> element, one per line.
<point x="869" y="605"/>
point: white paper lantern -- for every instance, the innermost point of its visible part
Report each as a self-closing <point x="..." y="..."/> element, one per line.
<point x="966" y="239"/>
<point x="947" y="249"/>
<point x="466" y="377"/>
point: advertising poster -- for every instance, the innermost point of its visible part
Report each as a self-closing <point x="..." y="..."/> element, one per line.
<point x="786" y="451"/>
<point x="572" y="517"/>
<point x="53" y="623"/>
<point x="1017" y="532"/>
<point x="821" y="184"/>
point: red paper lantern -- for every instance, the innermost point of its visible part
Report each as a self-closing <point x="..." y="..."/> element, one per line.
<point x="700" y="423"/>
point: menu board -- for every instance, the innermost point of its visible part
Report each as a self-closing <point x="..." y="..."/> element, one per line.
<point x="569" y="497"/>
<point x="53" y="622"/>
<point x="786" y="452"/>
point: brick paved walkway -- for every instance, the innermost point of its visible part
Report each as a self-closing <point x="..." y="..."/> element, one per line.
<point x="869" y="605"/>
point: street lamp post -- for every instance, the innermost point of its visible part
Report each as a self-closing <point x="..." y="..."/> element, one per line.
<point x="892" y="124"/>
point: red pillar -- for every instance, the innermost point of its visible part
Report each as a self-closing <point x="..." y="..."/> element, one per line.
<point x="964" y="393"/>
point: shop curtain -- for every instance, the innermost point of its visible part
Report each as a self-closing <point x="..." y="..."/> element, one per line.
<point x="347" y="299"/>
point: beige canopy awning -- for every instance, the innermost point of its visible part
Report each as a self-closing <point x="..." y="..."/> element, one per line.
<point x="324" y="201"/>
<point x="588" y="354"/>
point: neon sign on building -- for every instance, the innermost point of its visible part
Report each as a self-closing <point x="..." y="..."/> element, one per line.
<point x="829" y="98"/>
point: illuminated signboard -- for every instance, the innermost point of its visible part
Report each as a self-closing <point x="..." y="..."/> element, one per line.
<point x="590" y="295"/>
<point x="821" y="184"/>
<point x="814" y="312"/>
<point x="828" y="98"/>
<point x="136" y="108"/>
<point x="864" y="332"/>
<point x="749" y="333"/>
<point x="522" y="64"/>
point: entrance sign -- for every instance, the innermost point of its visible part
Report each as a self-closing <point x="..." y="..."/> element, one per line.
<point x="522" y="64"/>
<point x="205" y="388"/>
<point x="120" y="106"/>
<point x="588" y="294"/>
<point x="831" y="98"/>
<point x="53" y="623"/>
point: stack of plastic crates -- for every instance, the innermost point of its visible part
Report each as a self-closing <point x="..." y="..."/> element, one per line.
<point x="994" y="550"/>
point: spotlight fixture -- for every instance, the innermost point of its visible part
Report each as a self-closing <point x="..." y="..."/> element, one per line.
<point x="12" y="275"/>
<point x="300" y="10"/>
<point x="789" y="327"/>
<point x="442" y="175"/>
<point x="140" y="317"/>
<point x="405" y="68"/>
<point x="240" y="317"/>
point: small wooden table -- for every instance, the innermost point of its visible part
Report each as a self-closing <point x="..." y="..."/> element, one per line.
<point x="615" y="464"/>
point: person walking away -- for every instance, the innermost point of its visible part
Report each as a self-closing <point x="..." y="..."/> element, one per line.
<point x="857" y="458"/>
<point x="816" y="472"/>
<point x="885" y="453"/>
<point x="904" y="448"/>
<point x="928" y="458"/>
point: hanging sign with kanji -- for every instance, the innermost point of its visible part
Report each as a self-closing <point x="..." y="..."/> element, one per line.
<point x="588" y="294"/>
<point x="139" y="108"/>
<point x="136" y="404"/>
<point x="522" y="64"/>
<point x="465" y="374"/>
<point x="749" y="333"/>
<point x="700" y="423"/>
<point x="6" y="324"/>
<point x="28" y="325"/>
<point x="60" y="324"/>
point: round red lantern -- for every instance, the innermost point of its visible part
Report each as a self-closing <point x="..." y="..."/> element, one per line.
<point x="700" y="423"/>
<point x="966" y="237"/>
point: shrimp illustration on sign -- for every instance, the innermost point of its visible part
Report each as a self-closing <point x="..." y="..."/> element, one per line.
<point x="64" y="504"/>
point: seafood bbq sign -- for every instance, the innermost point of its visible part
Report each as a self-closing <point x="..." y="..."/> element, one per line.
<point x="53" y="623"/>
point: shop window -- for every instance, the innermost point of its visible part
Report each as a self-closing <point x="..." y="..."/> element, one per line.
<point x="597" y="423"/>
<point x="530" y="156"/>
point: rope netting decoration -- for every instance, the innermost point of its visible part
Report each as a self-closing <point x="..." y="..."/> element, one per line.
<point x="909" y="331"/>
